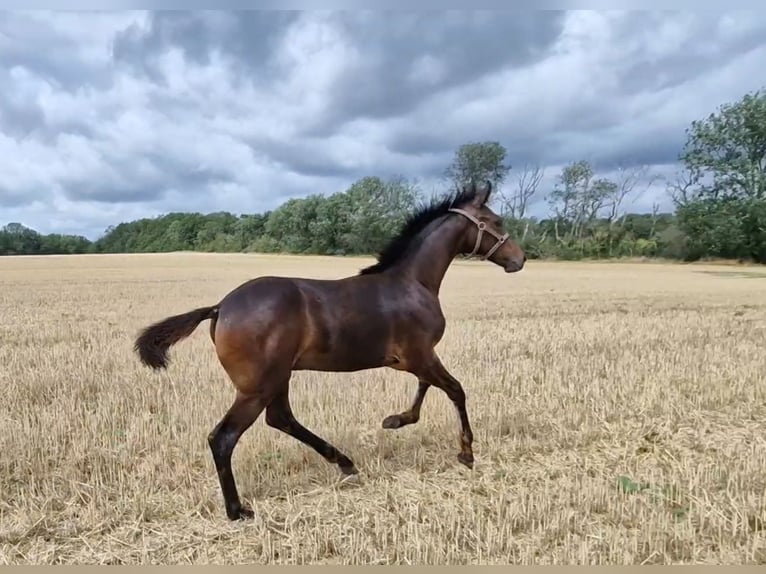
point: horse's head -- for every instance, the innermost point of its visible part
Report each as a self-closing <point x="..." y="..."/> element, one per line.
<point x="484" y="236"/>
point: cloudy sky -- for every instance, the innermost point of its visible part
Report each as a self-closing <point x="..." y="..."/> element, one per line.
<point x="107" y="117"/>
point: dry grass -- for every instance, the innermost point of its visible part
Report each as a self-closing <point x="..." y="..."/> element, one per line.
<point x="576" y="375"/>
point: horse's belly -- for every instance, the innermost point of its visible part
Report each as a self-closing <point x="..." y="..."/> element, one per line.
<point x="352" y="346"/>
<point x="336" y="362"/>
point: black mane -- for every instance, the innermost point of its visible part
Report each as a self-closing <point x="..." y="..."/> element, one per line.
<point x="416" y="222"/>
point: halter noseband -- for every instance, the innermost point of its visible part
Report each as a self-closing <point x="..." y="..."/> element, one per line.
<point x="482" y="228"/>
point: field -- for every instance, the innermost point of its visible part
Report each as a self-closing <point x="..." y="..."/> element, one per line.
<point x="619" y="413"/>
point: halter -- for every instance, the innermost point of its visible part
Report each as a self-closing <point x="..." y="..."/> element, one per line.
<point x="482" y="228"/>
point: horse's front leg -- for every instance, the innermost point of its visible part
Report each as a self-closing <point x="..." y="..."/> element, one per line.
<point x="434" y="373"/>
<point x="412" y="415"/>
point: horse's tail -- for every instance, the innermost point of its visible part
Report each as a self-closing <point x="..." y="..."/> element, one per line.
<point x="153" y="342"/>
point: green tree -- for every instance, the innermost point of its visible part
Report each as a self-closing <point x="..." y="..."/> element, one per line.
<point x="291" y="222"/>
<point x="730" y="148"/>
<point x="378" y="209"/>
<point x="721" y="200"/>
<point x="248" y="229"/>
<point x="21" y="240"/>
<point x="17" y="239"/>
<point x="478" y="161"/>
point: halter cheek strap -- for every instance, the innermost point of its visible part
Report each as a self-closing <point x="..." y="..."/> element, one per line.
<point x="482" y="228"/>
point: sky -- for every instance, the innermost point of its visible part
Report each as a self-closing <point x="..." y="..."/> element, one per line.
<point x="111" y="116"/>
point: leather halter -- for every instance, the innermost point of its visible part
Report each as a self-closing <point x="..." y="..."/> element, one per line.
<point x="482" y="228"/>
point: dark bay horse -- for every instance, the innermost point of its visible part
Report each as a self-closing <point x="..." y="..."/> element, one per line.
<point x="388" y="315"/>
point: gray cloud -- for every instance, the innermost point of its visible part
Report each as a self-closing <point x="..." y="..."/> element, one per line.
<point x="248" y="38"/>
<point x="404" y="58"/>
<point x="109" y="116"/>
<point x="665" y="52"/>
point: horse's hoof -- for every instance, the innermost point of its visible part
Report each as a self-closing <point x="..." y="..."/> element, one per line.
<point x="351" y="479"/>
<point x="466" y="459"/>
<point x="241" y="513"/>
<point x="392" y="422"/>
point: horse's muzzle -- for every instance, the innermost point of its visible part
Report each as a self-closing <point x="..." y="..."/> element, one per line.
<point x="515" y="265"/>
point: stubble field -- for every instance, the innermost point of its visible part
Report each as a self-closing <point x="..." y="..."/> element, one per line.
<point x="618" y="410"/>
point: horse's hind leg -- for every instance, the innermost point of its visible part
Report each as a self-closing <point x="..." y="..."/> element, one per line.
<point x="222" y="441"/>
<point x="412" y="415"/>
<point x="280" y="416"/>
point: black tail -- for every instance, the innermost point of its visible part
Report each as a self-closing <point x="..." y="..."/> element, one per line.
<point x="153" y="342"/>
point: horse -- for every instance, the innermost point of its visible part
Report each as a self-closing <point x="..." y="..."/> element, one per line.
<point x="387" y="315"/>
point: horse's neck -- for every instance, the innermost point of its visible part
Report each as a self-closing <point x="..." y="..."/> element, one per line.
<point x="430" y="259"/>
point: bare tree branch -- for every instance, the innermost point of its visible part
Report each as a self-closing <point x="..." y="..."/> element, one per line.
<point x="514" y="204"/>
<point x="680" y="188"/>
<point x="627" y="181"/>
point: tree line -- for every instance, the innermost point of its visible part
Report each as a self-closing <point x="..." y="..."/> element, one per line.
<point x="719" y="200"/>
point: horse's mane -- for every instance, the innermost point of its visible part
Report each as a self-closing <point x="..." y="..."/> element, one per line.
<point x="415" y="223"/>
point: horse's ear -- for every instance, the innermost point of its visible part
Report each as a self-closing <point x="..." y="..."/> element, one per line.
<point x="482" y="195"/>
